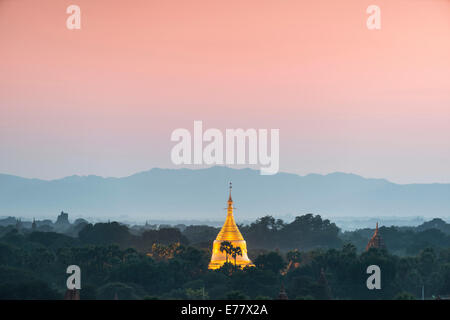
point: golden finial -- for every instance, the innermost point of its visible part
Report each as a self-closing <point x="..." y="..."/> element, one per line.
<point x="231" y="187"/>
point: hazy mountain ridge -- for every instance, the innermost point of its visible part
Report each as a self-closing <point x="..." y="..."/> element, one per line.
<point x="202" y="194"/>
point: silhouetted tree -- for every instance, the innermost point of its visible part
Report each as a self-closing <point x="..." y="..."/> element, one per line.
<point x="236" y="251"/>
<point x="226" y="246"/>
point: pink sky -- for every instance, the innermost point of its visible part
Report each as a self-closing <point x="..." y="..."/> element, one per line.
<point x="104" y="99"/>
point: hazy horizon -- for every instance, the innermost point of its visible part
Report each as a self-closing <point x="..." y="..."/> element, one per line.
<point x="344" y="223"/>
<point x="202" y="194"/>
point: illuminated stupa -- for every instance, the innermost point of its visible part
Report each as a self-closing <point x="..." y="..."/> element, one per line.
<point x="231" y="233"/>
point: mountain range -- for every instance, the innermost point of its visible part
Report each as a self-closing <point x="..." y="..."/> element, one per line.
<point x="202" y="194"/>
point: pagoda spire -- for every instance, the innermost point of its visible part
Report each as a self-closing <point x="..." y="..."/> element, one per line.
<point x="229" y="198"/>
<point x="282" y="295"/>
<point x="376" y="241"/>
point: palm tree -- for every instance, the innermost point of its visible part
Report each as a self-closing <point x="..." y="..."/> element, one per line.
<point x="236" y="251"/>
<point x="227" y="247"/>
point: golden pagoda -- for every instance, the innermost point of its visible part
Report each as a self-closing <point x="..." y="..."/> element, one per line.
<point x="231" y="233"/>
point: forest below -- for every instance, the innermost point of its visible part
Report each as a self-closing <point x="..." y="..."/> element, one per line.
<point x="310" y="257"/>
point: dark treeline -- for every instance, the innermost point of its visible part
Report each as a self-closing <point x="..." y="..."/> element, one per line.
<point x="309" y="256"/>
<point x="310" y="231"/>
<point x="305" y="232"/>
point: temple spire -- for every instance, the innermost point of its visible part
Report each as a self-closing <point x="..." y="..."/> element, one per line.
<point x="229" y="198"/>
<point x="282" y="295"/>
<point x="376" y="241"/>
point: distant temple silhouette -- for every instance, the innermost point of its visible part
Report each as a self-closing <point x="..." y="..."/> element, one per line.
<point x="282" y="295"/>
<point x="62" y="219"/>
<point x="231" y="233"/>
<point x="72" y="294"/>
<point x="323" y="282"/>
<point x="376" y="241"/>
